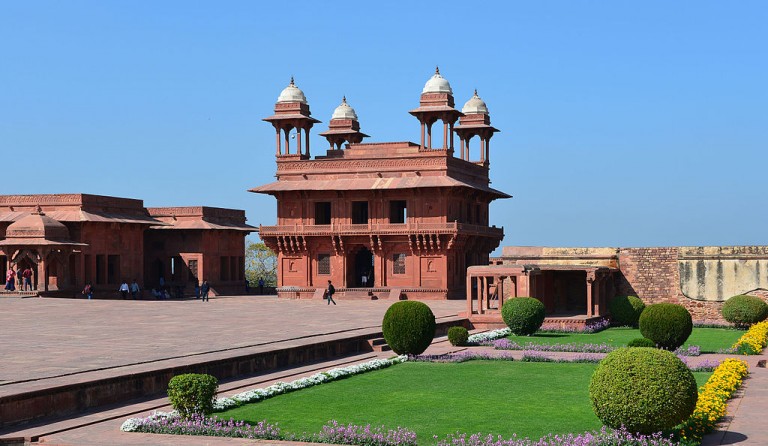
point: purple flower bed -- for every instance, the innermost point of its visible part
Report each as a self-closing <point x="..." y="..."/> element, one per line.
<point x="506" y="344"/>
<point x="535" y="356"/>
<point x="707" y="365"/>
<point x="461" y="357"/>
<point x="595" y="327"/>
<point x="332" y="432"/>
<point x="336" y="433"/>
<point x="199" y="425"/>
<point x="691" y="350"/>
<point x="604" y="437"/>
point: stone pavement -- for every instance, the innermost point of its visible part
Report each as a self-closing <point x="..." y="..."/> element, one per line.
<point x="42" y="339"/>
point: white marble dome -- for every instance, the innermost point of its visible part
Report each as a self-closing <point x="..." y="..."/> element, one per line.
<point x="344" y="111"/>
<point x="437" y="84"/>
<point x="291" y="93"/>
<point x="475" y="106"/>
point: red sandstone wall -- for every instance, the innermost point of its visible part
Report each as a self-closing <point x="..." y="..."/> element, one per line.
<point x="652" y="274"/>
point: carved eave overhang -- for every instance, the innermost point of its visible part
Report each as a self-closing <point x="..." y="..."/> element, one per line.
<point x="399" y="183"/>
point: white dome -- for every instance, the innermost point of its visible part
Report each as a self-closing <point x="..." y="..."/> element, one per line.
<point x="475" y="106"/>
<point x="291" y="93"/>
<point x="437" y="84"/>
<point x="344" y="111"/>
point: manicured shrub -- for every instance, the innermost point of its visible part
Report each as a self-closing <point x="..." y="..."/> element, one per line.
<point x="458" y="336"/>
<point x="668" y="325"/>
<point x="523" y="315"/>
<point x="644" y="389"/>
<point x="192" y="393"/>
<point x="744" y="311"/>
<point x="641" y="342"/>
<point x="625" y="310"/>
<point x="408" y="327"/>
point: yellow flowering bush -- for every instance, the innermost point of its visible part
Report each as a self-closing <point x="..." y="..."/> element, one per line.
<point x="753" y="341"/>
<point x="713" y="397"/>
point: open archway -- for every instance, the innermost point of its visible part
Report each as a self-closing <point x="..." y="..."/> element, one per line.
<point x="362" y="269"/>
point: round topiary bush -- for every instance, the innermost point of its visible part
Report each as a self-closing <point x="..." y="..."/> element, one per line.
<point x="668" y="325"/>
<point x="641" y="342"/>
<point x="192" y="393"/>
<point x="408" y="327"/>
<point x="625" y="310"/>
<point x="644" y="389"/>
<point x="458" y="336"/>
<point x="523" y="315"/>
<point x="744" y="311"/>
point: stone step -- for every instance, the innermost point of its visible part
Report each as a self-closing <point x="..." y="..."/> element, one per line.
<point x="379" y="345"/>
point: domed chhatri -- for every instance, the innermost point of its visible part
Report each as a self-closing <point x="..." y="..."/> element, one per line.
<point x="344" y="111"/>
<point x="437" y="84"/>
<point x="475" y="106"/>
<point x="37" y="225"/>
<point x="292" y="93"/>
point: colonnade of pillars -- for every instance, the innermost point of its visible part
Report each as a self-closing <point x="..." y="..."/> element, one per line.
<point x="287" y="138"/>
<point x="484" y="149"/>
<point x="426" y="135"/>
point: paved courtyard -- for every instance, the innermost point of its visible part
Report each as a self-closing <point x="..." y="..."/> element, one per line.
<point x="46" y="338"/>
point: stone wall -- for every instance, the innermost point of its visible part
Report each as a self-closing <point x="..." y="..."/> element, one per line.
<point x="699" y="278"/>
<point x="653" y="274"/>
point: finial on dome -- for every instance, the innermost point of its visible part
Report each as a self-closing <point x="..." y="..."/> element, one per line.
<point x="292" y="84"/>
<point x="476" y="92"/>
<point x="39" y="210"/>
<point x="344" y="99"/>
<point x="437" y="69"/>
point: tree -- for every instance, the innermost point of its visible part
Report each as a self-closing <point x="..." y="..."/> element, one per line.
<point x="260" y="263"/>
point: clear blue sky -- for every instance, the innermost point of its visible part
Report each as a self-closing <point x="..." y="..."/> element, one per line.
<point x="623" y="123"/>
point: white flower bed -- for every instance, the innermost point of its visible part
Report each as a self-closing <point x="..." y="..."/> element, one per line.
<point x="488" y="336"/>
<point x="277" y="388"/>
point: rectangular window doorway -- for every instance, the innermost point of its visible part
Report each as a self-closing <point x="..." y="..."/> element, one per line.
<point x="323" y="213"/>
<point x="398" y="212"/>
<point x="359" y="212"/>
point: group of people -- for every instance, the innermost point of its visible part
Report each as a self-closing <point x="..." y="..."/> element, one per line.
<point x="160" y="292"/>
<point x="24" y="278"/>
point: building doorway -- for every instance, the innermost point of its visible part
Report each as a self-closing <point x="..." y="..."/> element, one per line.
<point x="362" y="274"/>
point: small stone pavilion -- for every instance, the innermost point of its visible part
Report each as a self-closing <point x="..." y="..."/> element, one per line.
<point x="68" y="240"/>
<point x="388" y="220"/>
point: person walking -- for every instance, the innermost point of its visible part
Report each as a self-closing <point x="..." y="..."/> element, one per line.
<point x="124" y="290"/>
<point x="261" y="285"/>
<point x="204" y="290"/>
<point x="134" y="289"/>
<point x="329" y="292"/>
<point x="88" y="291"/>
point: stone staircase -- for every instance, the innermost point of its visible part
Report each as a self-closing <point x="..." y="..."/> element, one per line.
<point x="18" y="294"/>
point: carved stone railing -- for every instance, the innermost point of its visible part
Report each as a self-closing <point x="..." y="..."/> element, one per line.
<point x="379" y="229"/>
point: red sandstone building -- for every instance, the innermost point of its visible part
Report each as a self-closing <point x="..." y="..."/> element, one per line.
<point x="72" y="239"/>
<point x="382" y="219"/>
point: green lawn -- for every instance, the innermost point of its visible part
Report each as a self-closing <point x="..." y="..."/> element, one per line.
<point x="709" y="339"/>
<point x="499" y="397"/>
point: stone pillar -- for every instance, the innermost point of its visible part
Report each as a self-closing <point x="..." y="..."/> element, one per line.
<point x="590" y="279"/>
<point x="422" y="135"/>
<point x="306" y="133"/>
<point x="287" y="141"/>
<point x="298" y="141"/>
<point x="429" y="136"/>
<point x="43" y="273"/>
<point x="278" y="145"/>
<point x="450" y="134"/>
<point x="445" y="135"/>
<point x="469" y="294"/>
